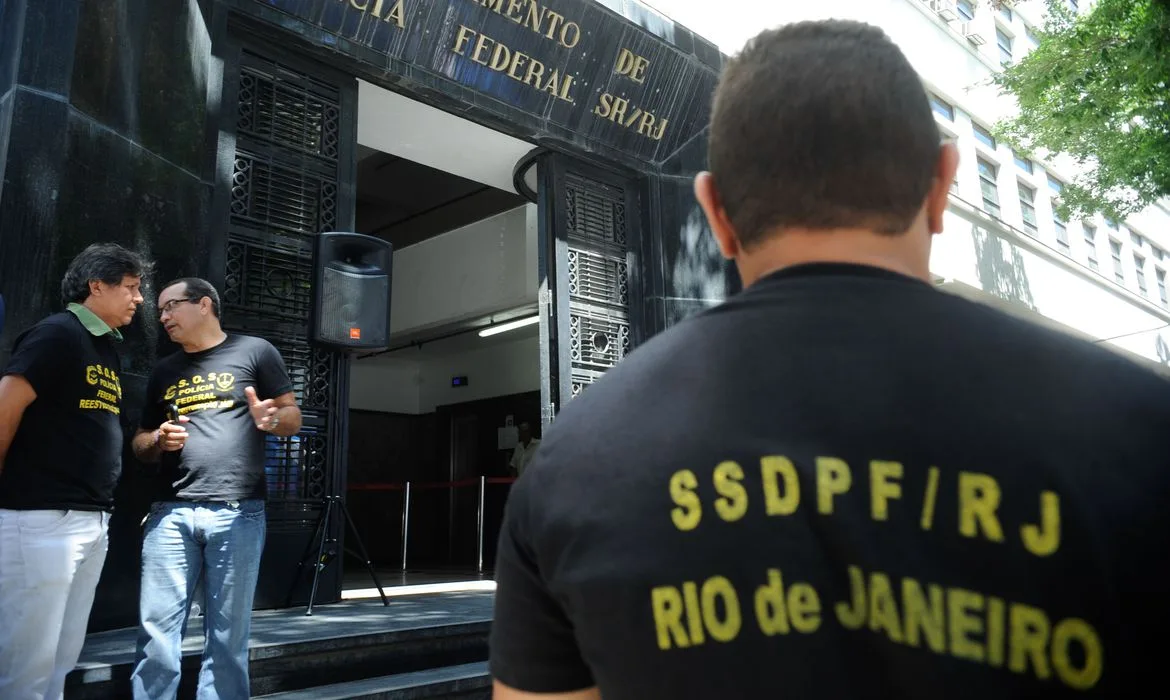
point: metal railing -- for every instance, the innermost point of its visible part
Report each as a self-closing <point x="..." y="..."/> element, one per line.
<point x="407" y="487"/>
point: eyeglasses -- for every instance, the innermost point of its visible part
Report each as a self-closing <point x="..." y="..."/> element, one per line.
<point x="171" y="305"/>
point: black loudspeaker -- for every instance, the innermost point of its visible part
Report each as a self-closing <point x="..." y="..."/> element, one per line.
<point x="351" y="291"/>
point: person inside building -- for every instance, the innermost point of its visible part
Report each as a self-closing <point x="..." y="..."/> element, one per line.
<point x="525" y="448"/>
<point x="60" y="458"/>
<point x="842" y="482"/>
<point x="209" y="408"/>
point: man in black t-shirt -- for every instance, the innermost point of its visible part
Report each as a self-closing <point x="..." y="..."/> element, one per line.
<point x="841" y="483"/>
<point x="60" y="457"/>
<point x="206" y="423"/>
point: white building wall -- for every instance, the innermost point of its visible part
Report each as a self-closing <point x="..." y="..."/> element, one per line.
<point x="418" y="386"/>
<point x="389" y="386"/>
<point x="1059" y="282"/>
<point x="498" y="370"/>
<point x="483" y="268"/>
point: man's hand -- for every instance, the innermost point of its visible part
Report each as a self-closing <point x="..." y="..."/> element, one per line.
<point x="279" y="416"/>
<point x="172" y="436"/>
<point x="263" y="412"/>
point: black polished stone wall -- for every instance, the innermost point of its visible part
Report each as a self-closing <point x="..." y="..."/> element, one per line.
<point x="683" y="270"/>
<point x="103" y="112"/>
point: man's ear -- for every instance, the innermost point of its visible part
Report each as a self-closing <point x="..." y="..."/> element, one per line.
<point x="717" y="218"/>
<point x="944" y="175"/>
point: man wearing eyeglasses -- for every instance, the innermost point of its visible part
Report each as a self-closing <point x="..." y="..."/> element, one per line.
<point x="206" y="422"/>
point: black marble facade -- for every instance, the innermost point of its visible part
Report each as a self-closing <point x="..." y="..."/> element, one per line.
<point x="109" y="130"/>
<point x="103" y="111"/>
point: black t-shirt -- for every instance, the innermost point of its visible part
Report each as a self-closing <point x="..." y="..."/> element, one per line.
<point x="223" y="458"/>
<point x="843" y="483"/>
<point x="67" y="452"/>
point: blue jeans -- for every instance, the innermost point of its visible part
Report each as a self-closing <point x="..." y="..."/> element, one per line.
<point x="215" y="547"/>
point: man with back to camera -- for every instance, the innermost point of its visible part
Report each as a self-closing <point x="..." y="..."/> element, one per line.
<point x="60" y="457"/>
<point x="210" y="528"/>
<point x="841" y="483"/>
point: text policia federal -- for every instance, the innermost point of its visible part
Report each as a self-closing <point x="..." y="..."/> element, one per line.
<point x="965" y="624"/>
<point x="551" y="75"/>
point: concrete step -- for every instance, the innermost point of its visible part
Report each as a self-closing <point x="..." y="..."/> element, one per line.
<point x="462" y="681"/>
<point x="341" y="643"/>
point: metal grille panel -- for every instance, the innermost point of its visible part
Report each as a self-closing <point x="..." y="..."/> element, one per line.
<point x="296" y="112"/>
<point x="316" y="463"/>
<point x="597" y="342"/>
<point x="284" y="462"/>
<point x="272" y="279"/>
<point x="298" y="360"/>
<point x="594" y="211"/>
<point x="582" y="379"/>
<point x="295" y="467"/>
<point x="284" y="190"/>
<point x="598" y="278"/>
<point x="280" y="196"/>
<point x="310" y="370"/>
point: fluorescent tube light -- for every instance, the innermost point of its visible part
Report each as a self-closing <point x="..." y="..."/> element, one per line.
<point x="509" y="326"/>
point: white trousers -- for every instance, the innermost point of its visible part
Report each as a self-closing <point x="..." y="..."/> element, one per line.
<point x="50" y="563"/>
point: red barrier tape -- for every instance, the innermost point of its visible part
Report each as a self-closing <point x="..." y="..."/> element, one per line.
<point x="430" y="484"/>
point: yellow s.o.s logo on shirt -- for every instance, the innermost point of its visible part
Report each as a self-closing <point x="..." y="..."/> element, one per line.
<point x="224" y="381"/>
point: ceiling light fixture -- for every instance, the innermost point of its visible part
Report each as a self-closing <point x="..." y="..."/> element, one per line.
<point x="509" y="326"/>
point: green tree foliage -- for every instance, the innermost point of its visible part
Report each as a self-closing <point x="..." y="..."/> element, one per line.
<point x="1098" y="89"/>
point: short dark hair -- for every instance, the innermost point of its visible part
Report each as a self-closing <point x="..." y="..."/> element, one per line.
<point x="197" y="288"/>
<point x="101" y="262"/>
<point x="821" y="125"/>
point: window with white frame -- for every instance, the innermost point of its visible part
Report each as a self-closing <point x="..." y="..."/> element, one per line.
<point x="1111" y="223"/>
<point x="942" y="108"/>
<point x="1005" y="12"/>
<point x="989" y="187"/>
<point x="1159" y="254"/>
<point x="1028" y="207"/>
<point x="1031" y="36"/>
<point x="1055" y="185"/>
<point x="1004" y="41"/>
<point x="1136" y="239"/>
<point x="1115" y="250"/>
<point x="1139" y="264"/>
<point x="1161" y="275"/>
<point x="1062" y="236"/>
<point x="966" y="10"/>
<point x="1023" y="162"/>
<point x="1091" y="245"/>
<point x="983" y="136"/>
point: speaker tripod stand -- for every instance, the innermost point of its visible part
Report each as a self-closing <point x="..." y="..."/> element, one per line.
<point x="321" y="536"/>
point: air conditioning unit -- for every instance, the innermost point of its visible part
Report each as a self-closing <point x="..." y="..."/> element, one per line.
<point x="944" y="9"/>
<point x="967" y="29"/>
